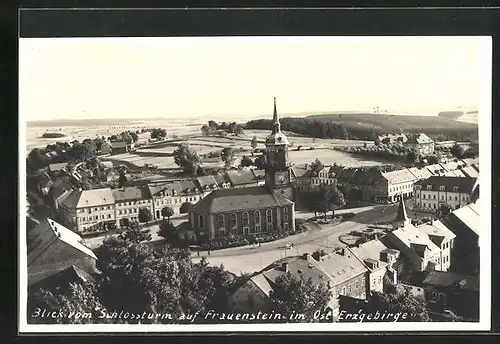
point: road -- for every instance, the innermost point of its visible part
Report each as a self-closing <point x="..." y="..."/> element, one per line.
<point x="249" y="258"/>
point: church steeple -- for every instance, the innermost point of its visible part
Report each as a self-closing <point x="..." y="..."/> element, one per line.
<point x="401" y="217"/>
<point x="276" y="120"/>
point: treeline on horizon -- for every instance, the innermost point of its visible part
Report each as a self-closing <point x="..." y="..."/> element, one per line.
<point x="327" y="129"/>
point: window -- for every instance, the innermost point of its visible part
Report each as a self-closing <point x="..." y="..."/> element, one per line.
<point x="220" y="221"/>
<point x="442" y="198"/>
<point x="201" y="221"/>
<point x="119" y="212"/>
<point x="449" y="198"/>
<point x="257" y="227"/>
<point x="234" y="221"/>
<point x="433" y="196"/>
<point x="356" y="284"/>
<point x="285" y="210"/>
<point x="257" y="217"/>
<point x="244" y="218"/>
<point x="343" y="291"/>
<point x="109" y="216"/>
<point x="441" y="188"/>
<point x="434" y="205"/>
<point x="269" y="216"/>
<point x="285" y="225"/>
<point x="429" y="187"/>
<point x="455" y="189"/>
<point x="350" y="289"/>
<point x="269" y="226"/>
<point x="285" y="217"/>
<point x="463" y="198"/>
<point x="456" y="198"/>
<point x="423" y="196"/>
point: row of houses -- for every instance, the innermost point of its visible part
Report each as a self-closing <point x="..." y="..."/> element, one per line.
<point x="88" y="210"/>
<point x="417" y="257"/>
<point x="373" y="184"/>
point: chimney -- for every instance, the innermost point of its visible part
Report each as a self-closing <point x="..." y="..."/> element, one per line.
<point x="285" y="266"/>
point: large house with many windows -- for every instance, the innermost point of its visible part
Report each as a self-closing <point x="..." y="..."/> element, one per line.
<point x="436" y="191"/>
<point x="88" y="211"/>
<point x="129" y="201"/>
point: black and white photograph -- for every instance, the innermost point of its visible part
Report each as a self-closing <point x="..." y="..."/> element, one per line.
<point x="184" y="184"/>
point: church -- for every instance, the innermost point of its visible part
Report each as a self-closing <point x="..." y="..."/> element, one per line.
<point x="252" y="210"/>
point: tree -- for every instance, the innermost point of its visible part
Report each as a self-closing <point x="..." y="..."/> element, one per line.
<point x="432" y="159"/>
<point x="386" y="141"/>
<point x="377" y="142"/>
<point x="300" y="295"/>
<point x="158" y="281"/>
<point x="318" y="254"/>
<point x="122" y="179"/>
<point x="227" y="156"/>
<point x="317" y="165"/>
<point x="213" y="126"/>
<point x="167" y="212"/>
<point x="443" y="210"/>
<point x="126" y="137"/>
<point x="73" y="302"/>
<point x="144" y="215"/>
<point x="335" y="198"/>
<point x="167" y="230"/>
<point x="135" y="234"/>
<point x="254" y="142"/>
<point x="134" y="136"/>
<point x="246" y="161"/>
<point x="413" y="156"/>
<point x="186" y="158"/>
<point x="158" y="133"/>
<point x="457" y="151"/>
<point x="205" y="130"/>
<point x="261" y="162"/>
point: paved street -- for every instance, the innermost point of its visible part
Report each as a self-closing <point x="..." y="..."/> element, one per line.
<point x="252" y="258"/>
<point x="249" y="259"/>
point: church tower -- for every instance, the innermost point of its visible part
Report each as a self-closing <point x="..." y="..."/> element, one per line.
<point x="278" y="168"/>
<point x="401" y="219"/>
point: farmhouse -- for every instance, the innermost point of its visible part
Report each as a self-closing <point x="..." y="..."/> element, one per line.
<point x="175" y="194"/>
<point x="422" y="144"/>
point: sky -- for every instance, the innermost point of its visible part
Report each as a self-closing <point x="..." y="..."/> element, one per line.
<point x="74" y="78"/>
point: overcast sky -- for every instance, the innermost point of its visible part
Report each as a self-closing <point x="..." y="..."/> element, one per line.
<point x="194" y="77"/>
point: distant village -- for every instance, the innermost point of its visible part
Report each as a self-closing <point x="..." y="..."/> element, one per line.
<point x="423" y="261"/>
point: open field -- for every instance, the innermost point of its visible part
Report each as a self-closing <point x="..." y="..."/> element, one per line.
<point x="394" y="122"/>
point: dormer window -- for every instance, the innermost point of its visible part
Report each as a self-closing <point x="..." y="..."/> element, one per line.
<point x="429" y="187"/>
<point x="441" y="188"/>
<point x="455" y="189"/>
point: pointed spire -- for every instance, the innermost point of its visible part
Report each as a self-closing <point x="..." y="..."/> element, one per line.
<point x="276" y="119"/>
<point x="401" y="215"/>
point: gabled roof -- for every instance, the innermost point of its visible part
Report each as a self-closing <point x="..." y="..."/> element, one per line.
<point x="411" y="237"/>
<point x="401" y="215"/>
<point x="300" y="170"/>
<point x="187" y="185"/>
<point x="48" y="232"/>
<point x="89" y="198"/>
<point x="450" y="279"/>
<point x="399" y="176"/>
<point x="469" y="217"/>
<point x="437" y="229"/>
<point x="420" y="139"/>
<point x="465" y="185"/>
<point x="131" y="193"/>
<point x="300" y="266"/>
<point x="435" y="169"/>
<point x="166" y="188"/>
<point x="470" y="172"/>
<point x="226" y="200"/>
<point x="241" y="177"/>
<point x="206" y="181"/>
<point x="342" y="265"/>
<point x="370" y="250"/>
<point x="420" y="173"/>
<point x="222" y="178"/>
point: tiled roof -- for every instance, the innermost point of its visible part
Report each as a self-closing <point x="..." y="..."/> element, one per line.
<point x="450" y="279"/>
<point x="465" y="185"/>
<point x="470" y="172"/>
<point x="57" y="167"/>
<point x="187" y="185"/>
<point x="259" y="174"/>
<point x="224" y="200"/>
<point x="300" y="266"/>
<point x="222" y="178"/>
<point x="167" y="188"/>
<point x="370" y="250"/>
<point x="469" y="216"/>
<point x="206" y="181"/>
<point x="341" y="266"/>
<point x="435" y="169"/>
<point x="46" y="233"/>
<point x="131" y="193"/>
<point x="411" y="237"/>
<point x="420" y="139"/>
<point x="89" y="198"/>
<point x="437" y="229"/>
<point x="241" y="178"/>
<point x="300" y="170"/>
<point x="262" y="283"/>
<point x="400" y="176"/>
<point x="420" y="173"/>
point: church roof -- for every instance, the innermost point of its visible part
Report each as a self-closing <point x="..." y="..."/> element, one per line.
<point x="224" y="200"/>
<point x="401" y="214"/>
